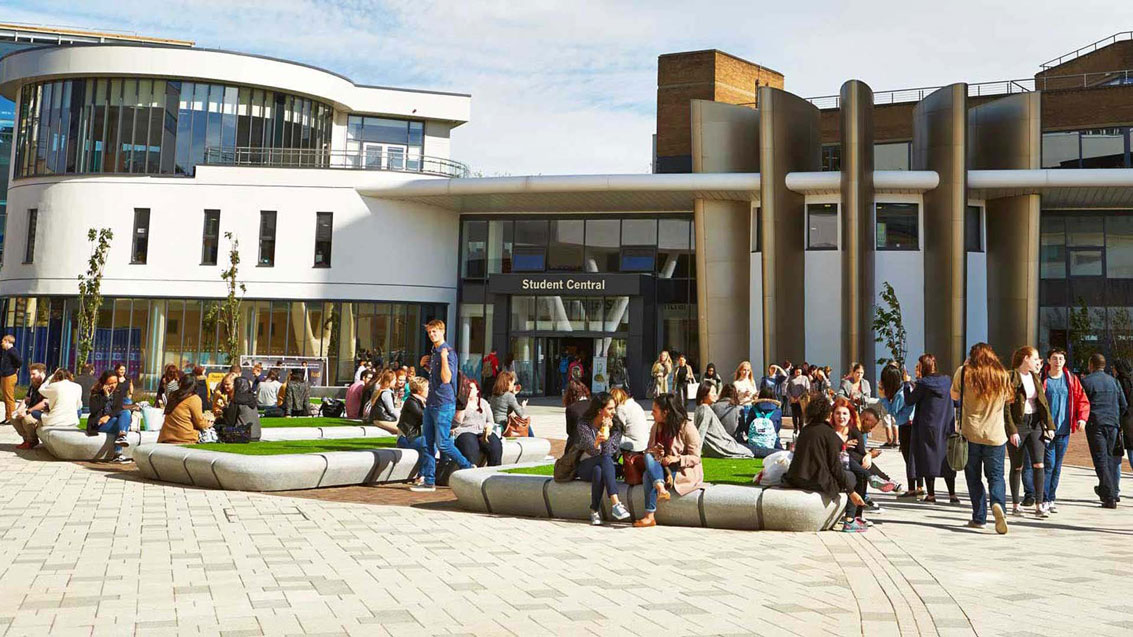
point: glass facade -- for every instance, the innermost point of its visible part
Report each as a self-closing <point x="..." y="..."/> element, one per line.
<point x="147" y="334"/>
<point x="1093" y="148"/>
<point x="898" y="226"/>
<point x="822" y="226"/>
<point x="1086" y="283"/>
<point x="385" y="143"/>
<point x="535" y="329"/>
<point x="156" y="126"/>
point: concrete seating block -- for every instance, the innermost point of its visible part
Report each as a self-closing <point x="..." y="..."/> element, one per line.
<point x="680" y="510"/>
<point x="198" y="465"/>
<point x="167" y="463"/>
<point x="348" y="468"/>
<point x="568" y="500"/>
<point x="516" y="494"/>
<point x="370" y="431"/>
<point x="333" y="433"/>
<point x="728" y="506"/>
<point x="238" y="472"/>
<point x="520" y="450"/>
<point x="290" y="433"/>
<point x="396" y="465"/>
<point x="468" y="488"/>
<point x="75" y="444"/>
<point x="796" y="510"/>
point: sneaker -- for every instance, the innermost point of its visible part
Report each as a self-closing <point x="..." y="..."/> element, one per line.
<point x="121" y="459"/>
<point x="121" y="441"/>
<point x="595" y="518"/>
<point x="884" y="486"/>
<point x="1028" y="500"/>
<point x="24" y="445"/>
<point x="868" y="523"/>
<point x="1016" y="509"/>
<point x="1040" y="511"/>
<point x="873" y="507"/>
<point x="972" y="524"/>
<point x="423" y="488"/>
<point x="1109" y="504"/>
<point x="953" y="499"/>
<point x="854" y="526"/>
<point x="1000" y="519"/>
<point x="908" y="495"/>
<point x="1051" y="507"/>
<point x="620" y="512"/>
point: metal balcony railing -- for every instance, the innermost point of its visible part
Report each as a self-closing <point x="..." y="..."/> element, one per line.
<point x="366" y="159"/>
<point x="999" y="87"/>
<point x="1089" y="48"/>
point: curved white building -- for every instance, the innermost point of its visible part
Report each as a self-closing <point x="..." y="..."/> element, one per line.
<point x="173" y="148"/>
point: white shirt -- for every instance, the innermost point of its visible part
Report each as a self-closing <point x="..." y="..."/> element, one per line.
<point x="358" y="373"/>
<point x="268" y="392"/>
<point x="1029" y="388"/>
<point x="637" y="427"/>
<point x="64" y="400"/>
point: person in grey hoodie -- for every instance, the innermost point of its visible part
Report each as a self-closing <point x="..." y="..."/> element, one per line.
<point x="730" y="412"/>
<point x="716" y="442"/>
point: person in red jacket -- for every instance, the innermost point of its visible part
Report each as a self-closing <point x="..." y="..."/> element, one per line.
<point x="1070" y="409"/>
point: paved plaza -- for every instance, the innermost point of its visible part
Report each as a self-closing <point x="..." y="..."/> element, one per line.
<point x="90" y="551"/>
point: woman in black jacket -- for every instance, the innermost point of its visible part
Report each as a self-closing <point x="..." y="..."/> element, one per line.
<point x="107" y="413"/>
<point x="817" y="464"/>
<point x="413" y="437"/>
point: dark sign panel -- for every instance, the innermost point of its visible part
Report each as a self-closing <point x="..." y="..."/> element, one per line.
<point x="566" y="284"/>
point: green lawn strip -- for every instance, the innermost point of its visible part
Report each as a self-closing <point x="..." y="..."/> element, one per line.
<point x="716" y="470"/>
<point x="288" y="447"/>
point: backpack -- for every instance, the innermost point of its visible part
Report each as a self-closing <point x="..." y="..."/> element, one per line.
<point x="761" y="431"/>
<point x="332" y="408"/>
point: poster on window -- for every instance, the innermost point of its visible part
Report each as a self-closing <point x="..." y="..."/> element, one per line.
<point x="601" y="378"/>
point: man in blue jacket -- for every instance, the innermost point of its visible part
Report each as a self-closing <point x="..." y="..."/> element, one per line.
<point x="1107" y="403"/>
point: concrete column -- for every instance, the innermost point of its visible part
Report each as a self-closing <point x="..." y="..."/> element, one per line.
<point x="724" y="139"/>
<point x="858" y="241"/>
<point x="940" y="128"/>
<point x="788" y="142"/>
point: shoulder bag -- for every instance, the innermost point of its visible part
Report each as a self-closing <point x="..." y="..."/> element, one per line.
<point x="957" y="445"/>
<point x="517" y="426"/>
<point x="567" y="465"/>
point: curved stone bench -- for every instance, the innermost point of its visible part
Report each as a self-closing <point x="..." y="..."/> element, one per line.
<point x="238" y="472"/>
<point x="718" y="506"/>
<point x="75" y="444"/>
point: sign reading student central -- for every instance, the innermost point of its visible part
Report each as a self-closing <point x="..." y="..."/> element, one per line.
<point x="543" y="285"/>
<point x="581" y="284"/>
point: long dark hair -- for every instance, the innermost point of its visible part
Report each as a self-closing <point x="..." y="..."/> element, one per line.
<point x="703" y="391"/>
<point x="597" y="402"/>
<point x="818" y="411"/>
<point x="186" y="386"/>
<point x="890" y="381"/>
<point x="105" y="376"/>
<point x="675" y="414"/>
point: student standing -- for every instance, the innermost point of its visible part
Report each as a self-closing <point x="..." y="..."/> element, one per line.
<point x="440" y="406"/>
<point x="1029" y="426"/>
<point x="983" y="387"/>
<point x="1107" y="403"/>
<point x="1069" y="410"/>
<point x="9" y="365"/>
<point x="934" y="420"/>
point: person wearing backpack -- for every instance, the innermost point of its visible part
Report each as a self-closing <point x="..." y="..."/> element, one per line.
<point x="765" y="418"/>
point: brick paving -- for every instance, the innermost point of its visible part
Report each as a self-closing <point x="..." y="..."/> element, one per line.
<point x="92" y="550"/>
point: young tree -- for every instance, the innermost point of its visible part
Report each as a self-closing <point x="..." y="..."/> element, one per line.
<point x="888" y="328"/>
<point x="1085" y="339"/>
<point x="227" y="311"/>
<point x="90" y="293"/>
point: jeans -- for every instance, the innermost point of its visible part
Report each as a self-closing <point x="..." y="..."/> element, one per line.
<point x="428" y="471"/>
<point x="473" y="447"/>
<point x="988" y="460"/>
<point x="761" y="452"/>
<point x="1052" y="468"/>
<point x="654" y="473"/>
<point x="437" y="429"/>
<point x="599" y="472"/>
<point x="1101" y="441"/>
<point x="118" y="425"/>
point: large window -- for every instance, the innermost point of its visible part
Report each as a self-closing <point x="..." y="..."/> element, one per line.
<point x="822" y="226"/>
<point x="210" y="237"/>
<point x="895" y="156"/>
<point x="565" y="251"/>
<point x="1092" y="148"/>
<point x="140" y="247"/>
<point x="158" y="126"/>
<point x="973" y="230"/>
<point x="324" y="230"/>
<point x="267" y="238"/>
<point x="529" y="252"/>
<point x="29" y="246"/>
<point x="386" y="143"/>
<point x="898" y="227"/>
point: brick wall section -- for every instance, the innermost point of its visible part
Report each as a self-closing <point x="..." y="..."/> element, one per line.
<point x="1115" y="57"/>
<point x="704" y="75"/>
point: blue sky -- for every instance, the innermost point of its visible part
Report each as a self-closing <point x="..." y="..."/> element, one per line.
<point x="570" y="87"/>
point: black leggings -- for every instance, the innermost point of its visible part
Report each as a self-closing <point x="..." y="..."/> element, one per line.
<point x="1031" y="439"/>
<point x="472" y="446"/>
<point x="949" y="481"/>
<point x="905" y="440"/>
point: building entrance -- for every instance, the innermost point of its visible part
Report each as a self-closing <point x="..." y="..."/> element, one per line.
<point x="543" y="363"/>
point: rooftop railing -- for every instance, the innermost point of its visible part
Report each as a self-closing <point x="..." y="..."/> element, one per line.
<point x="1089" y="48"/>
<point x="367" y="159"/>
<point x="999" y="87"/>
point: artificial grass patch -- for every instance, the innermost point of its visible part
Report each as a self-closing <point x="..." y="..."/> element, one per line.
<point x="268" y="423"/>
<point x="716" y="470"/>
<point x="289" y="447"/>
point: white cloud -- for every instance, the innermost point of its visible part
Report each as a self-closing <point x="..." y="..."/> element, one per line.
<point x="569" y="87"/>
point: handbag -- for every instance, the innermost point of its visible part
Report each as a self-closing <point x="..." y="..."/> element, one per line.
<point x="206" y="435"/>
<point x="957" y="444"/>
<point x="517" y="427"/>
<point x="567" y="465"/>
<point x="633" y="467"/>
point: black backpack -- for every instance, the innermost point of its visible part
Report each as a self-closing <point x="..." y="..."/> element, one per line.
<point x="332" y="408"/>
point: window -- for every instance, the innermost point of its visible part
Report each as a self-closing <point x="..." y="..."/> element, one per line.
<point x="565" y="251"/>
<point x="475" y="249"/>
<point x="529" y="252"/>
<point x="897" y="226"/>
<point x="267" y="238"/>
<point x="639" y="245"/>
<point x="973" y="230"/>
<point x="141" y="236"/>
<point x="324" y="230"/>
<point x="832" y="157"/>
<point x="210" y="238"/>
<point x="29" y="247"/>
<point x="757" y="229"/>
<point x="822" y="226"/>
<point x="603" y="238"/>
<point x="892" y="156"/>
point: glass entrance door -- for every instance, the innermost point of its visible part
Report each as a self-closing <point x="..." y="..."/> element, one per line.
<point x="384" y="156"/>
<point x="530" y="354"/>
